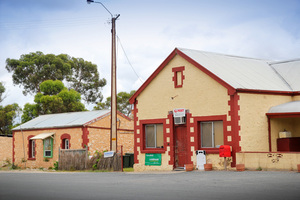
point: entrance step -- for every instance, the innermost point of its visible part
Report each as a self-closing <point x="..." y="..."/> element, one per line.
<point x="179" y="169"/>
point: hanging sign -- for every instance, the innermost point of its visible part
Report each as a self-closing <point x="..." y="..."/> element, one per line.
<point x="153" y="159"/>
<point x="179" y="112"/>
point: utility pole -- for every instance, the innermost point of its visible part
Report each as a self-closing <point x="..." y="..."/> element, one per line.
<point x="113" y="103"/>
<point x="113" y="110"/>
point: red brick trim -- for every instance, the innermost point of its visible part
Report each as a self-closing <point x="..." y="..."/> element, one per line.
<point x="143" y="139"/>
<point x="190" y="134"/>
<point x="230" y="89"/>
<point x="153" y="75"/>
<point x="108" y="128"/>
<point x="235" y="128"/>
<point x="175" y="70"/>
<point x="171" y="136"/>
<point x="85" y="138"/>
<point x="65" y="136"/>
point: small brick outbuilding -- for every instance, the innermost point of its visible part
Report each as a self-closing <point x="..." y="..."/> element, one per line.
<point x="36" y="143"/>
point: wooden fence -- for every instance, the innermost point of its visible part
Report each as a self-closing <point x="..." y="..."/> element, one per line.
<point x="73" y="159"/>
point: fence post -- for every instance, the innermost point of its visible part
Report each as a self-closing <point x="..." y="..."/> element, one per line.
<point x="58" y="165"/>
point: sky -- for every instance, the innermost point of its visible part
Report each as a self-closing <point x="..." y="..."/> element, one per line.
<point x="148" y="31"/>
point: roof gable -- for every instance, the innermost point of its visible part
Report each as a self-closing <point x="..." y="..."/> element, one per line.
<point x="236" y="73"/>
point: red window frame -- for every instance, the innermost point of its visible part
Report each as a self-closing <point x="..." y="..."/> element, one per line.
<point x="210" y="150"/>
<point x="29" y="145"/>
<point x="143" y="136"/>
<point x="175" y="70"/>
<point x="63" y="137"/>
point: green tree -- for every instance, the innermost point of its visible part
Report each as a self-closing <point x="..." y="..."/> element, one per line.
<point x="34" y="68"/>
<point x="53" y="98"/>
<point x="123" y="104"/>
<point x="30" y="111"/>
<point x="85" y="80"/>
<point x="2" y="90"/>
<point x="7" y="116"/>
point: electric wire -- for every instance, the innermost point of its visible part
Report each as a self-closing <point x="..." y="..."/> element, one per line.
<point x="119" y="41"/>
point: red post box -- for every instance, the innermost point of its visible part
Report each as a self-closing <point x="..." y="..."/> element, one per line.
<point x="224" y="151"/>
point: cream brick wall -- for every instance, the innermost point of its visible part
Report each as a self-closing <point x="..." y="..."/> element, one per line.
<point x="5" y="149"/>
<point x="200" y="93"/>
<point x="269" y="161"/>
<point x="253" y="119"/>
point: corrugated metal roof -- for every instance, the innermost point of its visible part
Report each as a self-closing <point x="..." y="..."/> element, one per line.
<point x="290" y="71"/>
<point x="70" y="119"/>
<point x="245" y="73"/>
<point x="290" y="107"/>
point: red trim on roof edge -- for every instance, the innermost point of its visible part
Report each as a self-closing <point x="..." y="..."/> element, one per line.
<point x="153" y="75"/>
<point x="274" y="92"/>
<point x="176" y="51"/>
<point x="231" y="90"/>
<point x="283" y="115"/>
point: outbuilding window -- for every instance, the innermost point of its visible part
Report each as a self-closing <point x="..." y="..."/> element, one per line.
<point x="48" y="147"/>
<point x="65" y="141"/>
<point x="154" y="135"/>
<point x="31" y="148"/>
<point x="212" y="134"/>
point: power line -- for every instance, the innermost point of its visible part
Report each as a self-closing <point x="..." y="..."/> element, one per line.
<point x="129" y="60"/>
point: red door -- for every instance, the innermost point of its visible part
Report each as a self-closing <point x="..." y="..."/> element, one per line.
<point x="180" y="146"/>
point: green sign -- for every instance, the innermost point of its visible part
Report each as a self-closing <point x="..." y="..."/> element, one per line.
<point x="153" y="159"/>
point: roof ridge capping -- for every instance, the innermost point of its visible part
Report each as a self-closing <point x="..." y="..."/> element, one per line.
<point x="221" y="54"/>
<point x="283" y="61"/>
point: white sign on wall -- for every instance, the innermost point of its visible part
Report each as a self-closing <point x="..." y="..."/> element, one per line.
<point x="108" y="154"/>
<point x="179" y="112"/>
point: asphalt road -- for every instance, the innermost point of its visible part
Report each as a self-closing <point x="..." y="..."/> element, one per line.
<point x="172" y="185"/>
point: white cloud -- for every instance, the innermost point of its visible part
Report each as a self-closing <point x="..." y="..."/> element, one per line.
<point x="149" y="31"/>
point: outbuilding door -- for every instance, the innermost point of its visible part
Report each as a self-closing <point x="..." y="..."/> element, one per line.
<point x="180" y="146"/>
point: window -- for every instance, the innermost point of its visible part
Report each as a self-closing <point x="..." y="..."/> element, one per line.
<point x="178" y="76"/>
<point x="212" y="134"/>
<point x="48" y="147"/>
<point x="179" y="80"/>
<point x="154" y="135"/>
<point x="65" y="141"/>
<point x="31" y="148"/>
<point x="66" y="144"/>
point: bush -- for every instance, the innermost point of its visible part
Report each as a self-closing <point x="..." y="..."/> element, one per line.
<point x="55" y="165"/>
